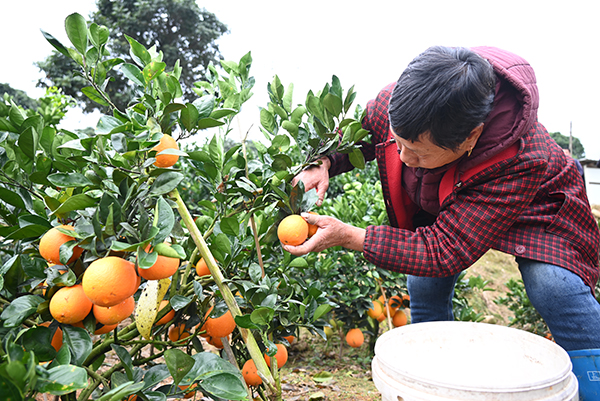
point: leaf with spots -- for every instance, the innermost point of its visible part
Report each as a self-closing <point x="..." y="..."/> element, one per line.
<point x="147" y="306"/>
<point x="62" y="379"/>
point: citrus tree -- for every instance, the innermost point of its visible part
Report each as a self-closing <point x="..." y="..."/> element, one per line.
<point x="94" y="229"/>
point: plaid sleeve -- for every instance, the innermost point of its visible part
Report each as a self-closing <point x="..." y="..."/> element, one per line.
<point x="472" y="218"/>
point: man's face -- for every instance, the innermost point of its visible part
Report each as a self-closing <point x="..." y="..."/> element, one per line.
<point x="423" y="153"/>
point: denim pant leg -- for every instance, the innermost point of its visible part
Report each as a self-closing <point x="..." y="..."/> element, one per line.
<point x="431" y="298"/>
<point x="565" y="302"/>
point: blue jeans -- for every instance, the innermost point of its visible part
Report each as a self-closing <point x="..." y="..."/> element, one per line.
<point x="560" y="296"/>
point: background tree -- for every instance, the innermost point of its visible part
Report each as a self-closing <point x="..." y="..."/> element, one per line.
<point x="19" y="97"/>
<point x="563" y="142"/>
<point x="179" y="28"/>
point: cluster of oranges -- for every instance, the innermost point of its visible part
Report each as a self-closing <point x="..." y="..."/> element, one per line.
<point x="395" y="305"/>
<point x="249" y="371"/>
<point x="107" y="286"/>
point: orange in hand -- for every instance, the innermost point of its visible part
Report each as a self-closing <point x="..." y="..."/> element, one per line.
<point x="292" y="230"/>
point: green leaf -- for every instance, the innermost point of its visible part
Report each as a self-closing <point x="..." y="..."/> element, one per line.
<point x="79" y="342"/>
<point x="76" y="28"/>
<point x="20" y="309"/>
<point x="179" y="364"/>
<point x="357" y="158"/>
<point x="230" y="226"/>
<point x="164" y="220"/>
<point x="67" y="180"/>
<point x="189" y="116"/>
<point x="62" y="379"/>
<point x="165" y="183"/>
<point x="94" y="95"/>
<point x="299" y="262"/>
<point x="333" y="104"/>
<point x="12" y="198"/>
<point x="267" y="120"/>
<point x="209" y="122"/>
<point x="323" y="377"/>
<point x="76" y="202"/>
<point x="28" y="142"/>
<point x="125" y="358"/>
<point x="321" y="311"/>
<point x="98" y="35"/>
<point x="152" y="70"/>
<point x="109" y="125"/>
<point x="57" y="45"/>
<point x="226" y="386"/>
<point x="262" y="316"/>
<point x="132" y="72"/>
<point x="138" y="52"/>
<point x="205" y="106"/>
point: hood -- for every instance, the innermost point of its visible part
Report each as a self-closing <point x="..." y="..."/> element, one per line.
<point x="515" y="105"/>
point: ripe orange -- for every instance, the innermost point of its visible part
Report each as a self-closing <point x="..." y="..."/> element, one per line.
<point x="57" y="338"/>
<point x="52" y="240"/>
<point x="281" y="355"/>
<point x="249" y="372"/>
<point x="109" y="281"/>
<point x="290" y="339"/>
<point x="293" y="230"/>
<point x="355" y="338"/>
<point x="70" y="305"/>
<point x="221" y="326"/>
<point x="376" y="310"/>
<point x="107" y="328"/>
<point x="163" y="267"/>
<point x="166" y="318"/>
<point x="202" y="268"/>
<point x="165" y="160"/>
<point x="190" y="393"/>
<point x="110" y="315"/>
<point x="312" y="228"/>
<point x="216" y="342"/>
<point x="178" y="332"/>
<point x="399" y="318"/>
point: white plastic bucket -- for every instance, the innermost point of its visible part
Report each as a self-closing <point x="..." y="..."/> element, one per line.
<point x="439" y="361"/>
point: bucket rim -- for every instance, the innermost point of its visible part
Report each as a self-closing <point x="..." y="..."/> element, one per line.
<point x="559" y="376"/>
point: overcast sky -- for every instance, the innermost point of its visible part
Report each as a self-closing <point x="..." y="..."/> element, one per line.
<point x="366" y="44"/>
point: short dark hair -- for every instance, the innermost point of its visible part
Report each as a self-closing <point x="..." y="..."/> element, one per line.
<point x="447" y="91"/>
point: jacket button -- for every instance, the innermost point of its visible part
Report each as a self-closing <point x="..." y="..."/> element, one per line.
<point x="520" y="249"/>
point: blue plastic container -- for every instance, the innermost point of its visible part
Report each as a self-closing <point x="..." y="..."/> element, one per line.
<point x="586" y="366"/>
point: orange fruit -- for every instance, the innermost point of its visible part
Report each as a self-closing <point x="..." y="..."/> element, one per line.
<point x="399" y="318"/>
<point x="52" y="240"/>
<point x="132" y="397"/>
<point x="202" y="268"/>
<point x="165" y="160"/>
<point x="166" y="318"/>
<point x="109" y="281"/>
<point x="109" y="315"/>
<point x="216" y="342"/>
<point x="57" y="338"/>
<point x="355" y="338"/>
<point x="163" y="267"/>
<point x="178" y="332"/>
<point x="190" y="393"/>
<point x="281" y="355"/>
<point x="312" y="228"/>
<point x="70" y="305"/>
<point x="107" y="328"/>
<point x="221" y="326"/>
<point x="290" y="339"/>
<point x="249" y="372"/>
<point x="293" y="230"/>
<point x="376" y="310"/>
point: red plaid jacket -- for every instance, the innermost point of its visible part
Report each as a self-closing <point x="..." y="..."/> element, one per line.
<point x="527" y="200"/>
